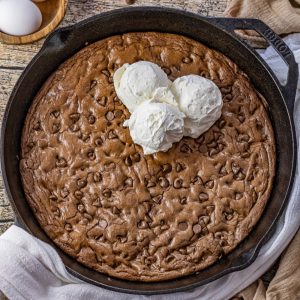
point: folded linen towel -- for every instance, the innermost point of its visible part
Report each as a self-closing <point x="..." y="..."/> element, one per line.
<point x="283" y="16"/>
<point x="285" y="285"/>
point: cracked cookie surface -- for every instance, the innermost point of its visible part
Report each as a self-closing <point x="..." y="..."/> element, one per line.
<point x="135" y="216"/>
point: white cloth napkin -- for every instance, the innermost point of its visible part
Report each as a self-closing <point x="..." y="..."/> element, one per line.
<point x="31" y="269"/>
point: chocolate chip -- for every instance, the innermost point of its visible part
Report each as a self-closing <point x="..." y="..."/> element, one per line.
<point x="118" y="113"/>
<point x="203" y="148"/>
<point x="164" y="227"/>
<point x="203" y="197"/>
<point x="53" y="197"/>
<point x="166" y="70"/>
<point x="112" y="134"/>
<point x="258" y="125"/>
<point x="64" y="192"/>
<point x="128" y="182"/>
<point x="227" y="98"/>
<point x="98" y="141"/>
<point x="151" y="184"/>
<point x="102" y="224"/>
<point x="68" y="227"/>
<point x="243" y="138"/>
<point x="241" y="118"/>
<point x="157" y="199"/>
<point x="221" y="124"/>
<point x="179" y="167"/>
<point x="240" y="176"/>
<point x="143" y="224"/>
<point x="74" y="117"/>
<point x="182" y="251"/>
<point x="223" y="243"/>
<point x="210" y="209"/>
<point x="81" y="183"/>
<point x="169" y="258"/>
<point x="93" y="84"/>
<point x="37" y="126"/>
<point x="115" y="210"/>
<point x="61" y="163"/>
<point x="220" y="147"/>
<point x="245" y="155"/>
<point x="78" y="195"/>
<point x="200" y="139"/>
<point x="197" y="179"/>
<point x="130" y="2"/>
<point x="223" y="171"/>
<point x="109" y="116"/>
<point x="226" y="90"/>
<point x="183" y="225"/>
<point x="97" y="237"/>
<point x="218" y="135"/>
<point x="106" y="73"/>
<point x="102" y="101"/>
<point x="163" y="182"/>
<point x="167" y="168"/>
<point x="212" y="144"/>
<point x="178" y="183"/>
<point x="109" y="166"/>
<point x="205" y="74"/>
<point x="106" y="193"/>
<point x="209" y="184"/>
<point x="88" y="216"/>
<point x="91" y="119"/>
<point x="85" y="222"/>
<point x="55" y="113"/>
<point x="228" y="217"/>
<point x="204" y="220"/>
<point x="218" y="235"/>
<point x="197" y="228"/>
<point x="80" y="208"/>
<point x="97" y="203"/>
<point x="183" y="200"/>
<point x="185" y="149"/>
<point x="74" y="127"/>
<point x="55" y="128"/>
<point x="136" y="157"/>
<point x="187" y="60"/>
<point x="91" y="155"/>
<point x="85" y="137"/>
<point x="213" y="152"/>
<point x="52" y="207"/>
<point x="97" y="177"/>
<point x="128" y="161"/>
<point x="235" y="168"/>
<point x="250" y="177"/>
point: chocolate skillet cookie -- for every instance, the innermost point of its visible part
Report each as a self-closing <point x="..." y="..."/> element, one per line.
<point x="135" y="216"/>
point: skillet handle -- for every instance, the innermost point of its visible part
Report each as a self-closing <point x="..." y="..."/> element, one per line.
<point x="289" y="89"/>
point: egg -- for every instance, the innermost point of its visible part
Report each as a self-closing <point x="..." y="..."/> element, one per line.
<point x="19" y="17"/>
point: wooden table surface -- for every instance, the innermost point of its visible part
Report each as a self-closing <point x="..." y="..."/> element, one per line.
<point x="14" y="58"/>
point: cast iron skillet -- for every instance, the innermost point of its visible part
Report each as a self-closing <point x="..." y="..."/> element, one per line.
<point x="216" y="33"/>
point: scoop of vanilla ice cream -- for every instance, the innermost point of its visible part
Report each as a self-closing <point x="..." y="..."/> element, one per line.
<point x="138" y="82"/>
<point x="200" y="100"/>
<point x="164" y="94"/>
<point x="155" y="126"/>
